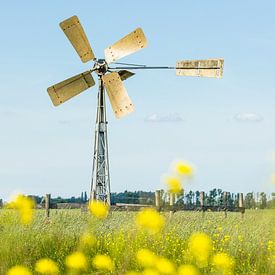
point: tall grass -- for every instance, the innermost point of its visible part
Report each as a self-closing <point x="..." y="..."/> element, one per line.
<point x="249" y="240"/>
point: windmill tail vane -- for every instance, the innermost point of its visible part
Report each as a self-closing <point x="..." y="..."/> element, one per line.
<point x="111" y="79"/>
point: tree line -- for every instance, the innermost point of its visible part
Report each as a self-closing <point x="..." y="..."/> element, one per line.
<point x="191" y="199"/>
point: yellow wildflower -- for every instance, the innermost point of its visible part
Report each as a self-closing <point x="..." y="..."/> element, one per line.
<point x="184" y="168"/>
<point x="226" y="238"/>
<point x="77" y="261"/>
<point x="200" y="246"/>
<point x="25" y="207"/>
<point x="46" y="266"/>
<point x="19" y="270"/>
<point x="188" y="269"/>
<point x="103" y="262"/>
<point x="240" y="238"/>
<point x="150" y="271"/>
<point x="146" y="258"/>
<point x="223" y="263"/>
<point x="131" y="273"/>
<point x="164" y="266"/>
<point x="150" y="220"/>
<point x="87" y="240"/>
<point x="271" y="245"/>
<point x="99" y="209"/>
<point x="173" y="185"/>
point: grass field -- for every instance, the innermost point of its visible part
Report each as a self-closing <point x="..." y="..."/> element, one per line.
<point x="250" y="241"/>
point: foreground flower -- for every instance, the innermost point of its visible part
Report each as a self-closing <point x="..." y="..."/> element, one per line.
<point x="77" y="261"/>
<point x="25" y="207"/>
<point x="164" y="266"/>
<point x="200" y="246"/>
<point x="19" y="270"/>
<point x="131" y="273"/>
<point x="103" y="262"/>
<point x="87" y="240"/>
<point x="149" y="219"/>
<point x="146" y="258"/>
<point x="173" y="185"/>
<point x="188" y="270"/>
<point x="184" y="169"/>
<point x="46" y="266"/>
<point x="99" y="209"/>
<point x="223" y="263"/>
<point x="150" y="271"/>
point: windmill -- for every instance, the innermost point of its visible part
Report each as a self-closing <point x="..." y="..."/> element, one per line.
<point x="111" y="79"/>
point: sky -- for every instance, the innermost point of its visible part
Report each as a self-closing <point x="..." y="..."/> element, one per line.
<point x="224" y="127"/>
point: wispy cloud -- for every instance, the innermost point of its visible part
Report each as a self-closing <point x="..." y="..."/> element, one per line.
<point x="171" y="117"/>
<point x="248" y="117"/>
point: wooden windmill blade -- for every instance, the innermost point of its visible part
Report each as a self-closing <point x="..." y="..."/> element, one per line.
<point x="127" y="45"/>
<point x="65" y="90"/>
<point x="119" y="99"/>
<point x="76" y="35"/>
<point x="201" y="68"/>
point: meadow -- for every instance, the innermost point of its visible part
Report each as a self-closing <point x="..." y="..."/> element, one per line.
<point x="246" y="244"/>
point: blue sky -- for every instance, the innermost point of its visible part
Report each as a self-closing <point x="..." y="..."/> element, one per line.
<point x="228" y="127"/>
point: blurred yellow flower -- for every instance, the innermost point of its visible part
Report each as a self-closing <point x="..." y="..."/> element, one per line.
<point x="150" y="271"/>
<point x="77" y="261"/>
<point x="87" y="240"/>
<point x="46" y="266"/>
<point x="19" y="270"/>
<point x="146" y="258"/>
<point x="273" y="178"/>
<point x="184" y="168"/>
<point x="188" y="269"/>
<point x="200" y="246"/>
<point x="103" y="262"/>
<point x="25" y="207"/>
<point x="150" y="220"/>
<point x="173" y="185"/>
<point x="223" y="263"/>
<point x="99" y="209"/>
<point x="164" y="266"/>
<point x="131" y="273"/>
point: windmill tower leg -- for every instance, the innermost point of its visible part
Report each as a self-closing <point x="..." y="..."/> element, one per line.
<point x="100" y="186"/>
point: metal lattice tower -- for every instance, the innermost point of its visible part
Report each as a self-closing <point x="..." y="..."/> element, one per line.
<point x="100" y="187"/>
<point x="111" y="79"/>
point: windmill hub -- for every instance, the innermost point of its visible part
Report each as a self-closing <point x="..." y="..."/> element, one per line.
<point x="100" y="67"/>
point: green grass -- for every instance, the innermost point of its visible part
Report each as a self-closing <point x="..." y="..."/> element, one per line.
<point x="118" y="237"/>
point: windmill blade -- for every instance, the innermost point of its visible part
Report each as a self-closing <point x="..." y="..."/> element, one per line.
<point x="70" y="87"/>
<point x="75" y="33"/>
<point x="203" y="68"/>
<point x="120" y="101"/>
<point x="129" y="44"/>
<point x="124" y="74"/>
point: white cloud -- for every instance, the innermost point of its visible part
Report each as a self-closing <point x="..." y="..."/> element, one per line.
<point x="248" y="117"/>
<point x="171" y="117"/>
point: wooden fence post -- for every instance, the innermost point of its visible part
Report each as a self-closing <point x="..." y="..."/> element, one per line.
<point x="202" y="197"/>
<point x="225" y="198"/>
<point x="171" y="202"/>
<point x="241" y="204"/>
<point x="157" y="199"/>
<point x="171" y="199"/>
<point x="48" y="204"/>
